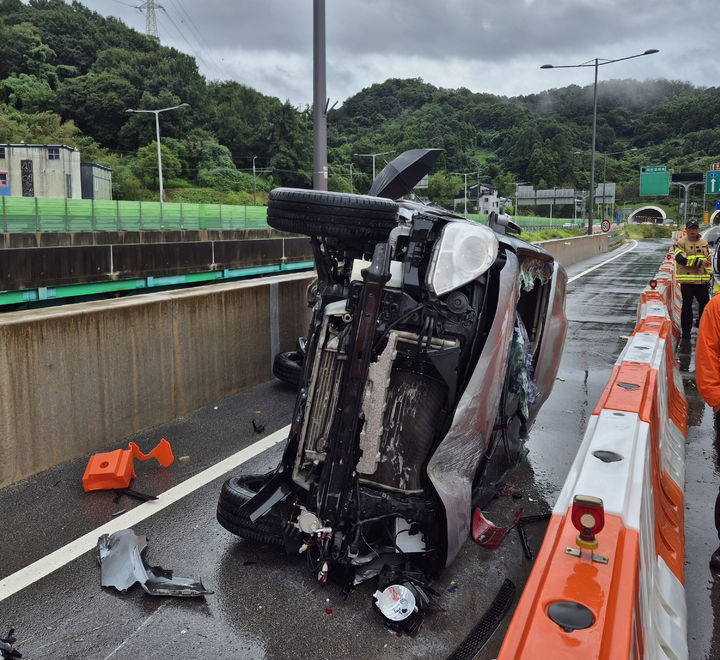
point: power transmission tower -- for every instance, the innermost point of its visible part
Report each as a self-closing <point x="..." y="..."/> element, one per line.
<point x="150" y="20"/>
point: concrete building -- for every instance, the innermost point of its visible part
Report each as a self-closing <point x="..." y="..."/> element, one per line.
<point x="95" y="181"/>
<point x="49" y="170"/>
<point x="481" y="198"/>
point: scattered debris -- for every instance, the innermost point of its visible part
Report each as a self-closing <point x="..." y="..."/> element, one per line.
<point x="115" y="469"/>
<point x="486" y="533"/>
<point x="183" y="459"/>
<point x="398" y="604"/>
<point x="133" y="493"/>
<point x="528" y="520"/>
<point x="258" y="428"/>
<point x="122" y="565"/>
<point x="119" y="513"/>
<point x="6" y="646"/>
<point x="562" y="380"/>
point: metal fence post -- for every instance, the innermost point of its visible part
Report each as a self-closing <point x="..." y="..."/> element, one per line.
<point x="140" y="214"/>
<point x="92" y="212"/>
<point x="220" y="214"/>
<point x="67" y="227"/>
<point x="37" y="218"/>
<point x="182" y="226"/>
<point x="117" y="215"/>
<point x="4" y="216"/>
<point x="245" y="208"/>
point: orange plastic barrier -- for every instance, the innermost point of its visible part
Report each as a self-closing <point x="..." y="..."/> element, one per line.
<point x="625" y="598"/>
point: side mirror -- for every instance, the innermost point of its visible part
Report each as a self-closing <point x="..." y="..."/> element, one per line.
<point x="503" y="224"/>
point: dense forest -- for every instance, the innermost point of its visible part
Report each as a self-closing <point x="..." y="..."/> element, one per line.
<point x="69" y="76"/>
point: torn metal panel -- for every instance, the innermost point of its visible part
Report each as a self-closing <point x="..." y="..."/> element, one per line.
<point x="452" y="467"/>
<point x="122" y="565"/>
<point x="550" y="348"/>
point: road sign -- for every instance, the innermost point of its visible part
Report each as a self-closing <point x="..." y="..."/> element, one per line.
<point x="715" y="166"/>
<point x="717" y="205"/>
<point x="654" y="180"/>
<point x="712" y="183"/>
<point x="605" y="225"/>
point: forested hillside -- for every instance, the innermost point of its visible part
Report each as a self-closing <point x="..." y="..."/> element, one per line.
<point x="69" y="75"/>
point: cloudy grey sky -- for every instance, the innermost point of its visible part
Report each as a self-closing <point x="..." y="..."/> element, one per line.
<point x="494" y="46"/>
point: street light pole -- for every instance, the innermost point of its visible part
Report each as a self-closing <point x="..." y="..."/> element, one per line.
<point x="254" y="201"/>
<point x="157" y="136"/>
<point x="382" y="153"/>
<point x="595" y="63"/>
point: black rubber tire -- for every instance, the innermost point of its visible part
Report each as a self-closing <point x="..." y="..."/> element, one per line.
<point x="235" y="492"/>
<point x="331" y="214"/>
<point x="288" y="367"/>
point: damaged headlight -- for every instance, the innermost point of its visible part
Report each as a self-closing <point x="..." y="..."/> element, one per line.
<point x="464" y="251"/>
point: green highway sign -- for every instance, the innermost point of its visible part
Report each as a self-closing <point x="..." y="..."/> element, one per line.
<point x="712" y="183"/>
<point x="654" y="180"/>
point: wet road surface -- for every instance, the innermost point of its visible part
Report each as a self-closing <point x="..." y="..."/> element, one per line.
<point x="267" y="605"/>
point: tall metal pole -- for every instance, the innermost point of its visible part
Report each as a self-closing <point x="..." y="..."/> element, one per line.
<point x="254" y="200"/>
<point x="595" y="63"/>
<point x="592" y="154"/>
<point x="319" y="98"/>
<point x="604" y="202"/>
<point x="157" y="135"/>
<point x="465" y="195"/>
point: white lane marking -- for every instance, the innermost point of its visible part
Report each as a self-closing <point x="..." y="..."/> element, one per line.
<point x="46" y="565"/>
<point x="607" y="261"/>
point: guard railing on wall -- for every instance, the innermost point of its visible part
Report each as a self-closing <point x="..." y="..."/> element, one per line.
<point x="52" y="214"/>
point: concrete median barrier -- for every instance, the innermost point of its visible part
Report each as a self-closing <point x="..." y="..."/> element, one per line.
<point x="80" y="377"/>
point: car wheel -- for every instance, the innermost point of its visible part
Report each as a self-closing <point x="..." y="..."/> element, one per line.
<point x="331" y="214"/>
<point x="235" y="492"/>
<point x="288" y="367"/>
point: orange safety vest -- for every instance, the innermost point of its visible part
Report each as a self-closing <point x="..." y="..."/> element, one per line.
<point x="707" y="353"/>
<point x="699" y="267"/>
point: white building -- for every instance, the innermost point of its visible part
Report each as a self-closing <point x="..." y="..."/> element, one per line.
<point x="40" y="170"/>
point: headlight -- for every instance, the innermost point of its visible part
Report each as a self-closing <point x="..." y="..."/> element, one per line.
<point x="463" y="252"/>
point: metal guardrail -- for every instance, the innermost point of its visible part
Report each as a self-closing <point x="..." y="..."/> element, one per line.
<point x="52" y="214"/>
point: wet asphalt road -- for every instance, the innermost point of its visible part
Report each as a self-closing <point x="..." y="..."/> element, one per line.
<point x="267" y="605"/>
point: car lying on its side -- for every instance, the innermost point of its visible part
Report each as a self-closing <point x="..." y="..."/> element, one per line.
<point x="433" y="343"/>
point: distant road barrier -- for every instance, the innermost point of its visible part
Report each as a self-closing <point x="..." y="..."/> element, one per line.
<point x="53" y="214"/>
<point x="626" y="597"/>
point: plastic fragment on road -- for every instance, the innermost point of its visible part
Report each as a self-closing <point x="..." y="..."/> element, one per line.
<point x="122" y="565"/>
<point x="487" y="534"/>
<point x="115" y="469"/>
<point x="6" y="646"/>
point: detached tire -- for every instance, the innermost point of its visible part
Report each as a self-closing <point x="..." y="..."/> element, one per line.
<point x="288" y="367"/>
<point x="235" y="492"/>
<point x="331" y="214"/>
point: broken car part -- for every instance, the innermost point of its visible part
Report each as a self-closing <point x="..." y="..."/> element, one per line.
<point x="115" y="469"/>
<point x="121" y="560"/>
<point x="6" y="646"/>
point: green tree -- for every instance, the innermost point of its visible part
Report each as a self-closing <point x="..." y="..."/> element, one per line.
<point x="146" y="166"/>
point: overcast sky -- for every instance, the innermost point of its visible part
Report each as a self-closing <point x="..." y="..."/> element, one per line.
<point x="494" y="46"/>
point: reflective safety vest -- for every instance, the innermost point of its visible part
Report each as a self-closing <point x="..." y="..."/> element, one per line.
<point x="698" y="268"/>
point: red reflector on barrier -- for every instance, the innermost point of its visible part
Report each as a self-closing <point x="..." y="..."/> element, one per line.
<point x="588" y="517"/>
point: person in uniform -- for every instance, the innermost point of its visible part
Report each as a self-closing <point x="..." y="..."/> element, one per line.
<point x="707" y="380"/>
<point x="692" y="271"/>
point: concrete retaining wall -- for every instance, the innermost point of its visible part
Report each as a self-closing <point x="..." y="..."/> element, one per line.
<point x="77" y="378"/>
<point x="569" y="251"/>
<point x="29" y="261"/>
